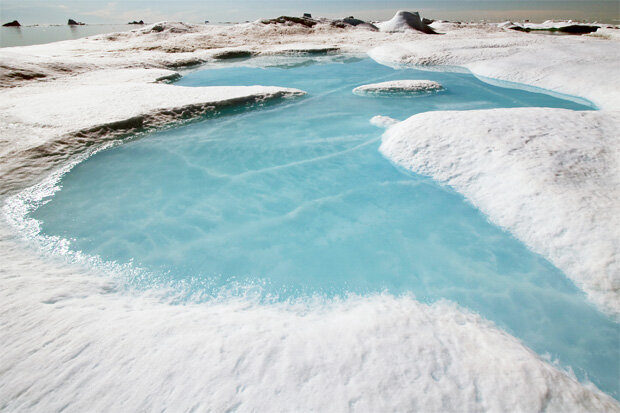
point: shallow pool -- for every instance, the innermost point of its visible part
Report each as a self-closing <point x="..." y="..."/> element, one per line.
<point x="293" y="200"/>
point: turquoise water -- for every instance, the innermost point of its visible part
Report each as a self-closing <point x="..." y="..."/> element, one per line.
<point x="293" y="199"/>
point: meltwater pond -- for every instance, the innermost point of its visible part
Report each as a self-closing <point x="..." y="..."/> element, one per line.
<point x="294" y="200"/>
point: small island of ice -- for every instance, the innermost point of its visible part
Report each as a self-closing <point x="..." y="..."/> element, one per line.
<point x="399" y="87"/>
<point x="383" y="121"/>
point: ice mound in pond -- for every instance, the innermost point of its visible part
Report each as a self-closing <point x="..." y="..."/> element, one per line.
<point x="399" y="87"/>
<point x="403" y="21"/>
<point x="383" y="121"/>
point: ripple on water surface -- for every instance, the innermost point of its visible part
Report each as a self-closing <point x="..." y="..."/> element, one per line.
<point x="296" y="199"/>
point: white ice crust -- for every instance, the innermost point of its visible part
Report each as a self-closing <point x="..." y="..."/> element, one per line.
<point x="35" y="117"/>
<point x="41" y="111"/>
<point x="554" y="185"/>
<point x="71" y="340"/>
<point x="399" y="86"/>
<point x="383" y="121"/>
<point x="545" y="220"/>
<point x="403" y="21"/>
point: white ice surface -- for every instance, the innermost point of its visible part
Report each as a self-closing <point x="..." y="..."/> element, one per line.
<point x="69" y="339"/>
<point x="383" y="121"/>
<point x="575" y="65"/>
<point x="554" y="185"/>
<point x="38" y="116"/>
<point x="573" y="221"/>
<point x="403" y="21"/>
<point x="67" y="105"/>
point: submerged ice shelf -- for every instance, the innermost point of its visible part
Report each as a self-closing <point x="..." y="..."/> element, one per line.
<point x="295" y="200"/>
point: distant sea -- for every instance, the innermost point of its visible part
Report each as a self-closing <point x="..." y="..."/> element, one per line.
<point x="28" y="35"/>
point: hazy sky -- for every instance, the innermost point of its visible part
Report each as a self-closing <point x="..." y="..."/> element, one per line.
<point x="122" y="11"/>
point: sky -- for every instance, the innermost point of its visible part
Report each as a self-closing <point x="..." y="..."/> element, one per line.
<point x="196" y="11"/>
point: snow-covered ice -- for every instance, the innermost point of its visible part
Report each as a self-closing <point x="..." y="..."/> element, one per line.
<point x="383" y="121"/>
<point x="405" y="21"/>
<point x="70" y="340"/>
<point x="554" y="185"/>
<point x="52" y="118"/>
<point x="549" y="176"/>
<point x="581" y="66"/>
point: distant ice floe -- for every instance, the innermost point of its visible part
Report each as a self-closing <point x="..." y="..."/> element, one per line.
<point x="400" y="87"/>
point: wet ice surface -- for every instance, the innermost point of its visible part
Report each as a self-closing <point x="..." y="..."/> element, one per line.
<point x="294" y="200"/>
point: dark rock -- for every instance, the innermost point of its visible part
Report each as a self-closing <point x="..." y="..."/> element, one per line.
<point x="427" y="21"/>
<point x="233" y="54"/>
<point x="185" y="63"/>
<point x="304" y="21"/>
<point x="368" y="26"/>
<point x="578" y="29"/>
<point x="25" y="75"/>
<point x="307" y="15"/>
<point x="135" y="22"/>
<point x="572" y="29"/>
<point x="72" y="22"/>
<point x="352" y="21"/>
<point x="14" y="23"/>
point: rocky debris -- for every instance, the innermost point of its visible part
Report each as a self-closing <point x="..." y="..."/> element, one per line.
<point x="72" y="22"/>
<point x="189" y="62"/>
<point x="169" y="27"/>
<point x="290" y="21"/>
<point x="569" y="28"/>
<point x="307" y="50"/>
<point x="14" y="23"/>
<point x="578" y="29"/>
<point x="352" y="21"/>
<point x="233" y="54"/>
<point x="135" y="22"/>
